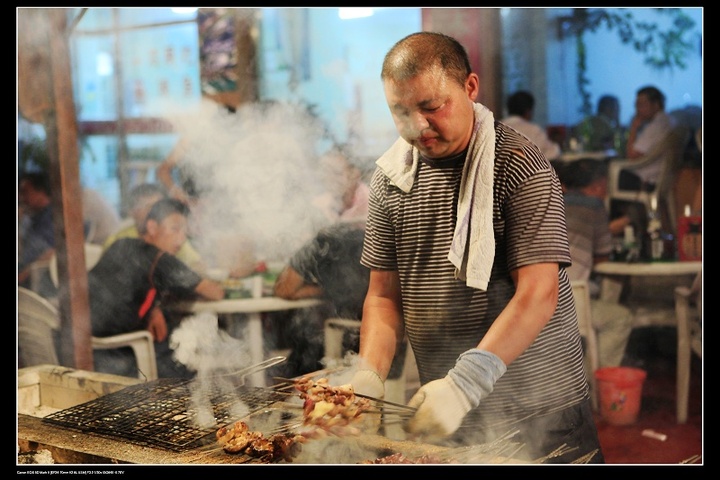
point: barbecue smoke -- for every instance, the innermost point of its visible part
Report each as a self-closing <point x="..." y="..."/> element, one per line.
<point x="256" y="173"/>
<point x="199" y="344"/>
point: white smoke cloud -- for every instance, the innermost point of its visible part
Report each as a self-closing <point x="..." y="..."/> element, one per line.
<point x="200" y="345"/>
<point x="257" y="171"/>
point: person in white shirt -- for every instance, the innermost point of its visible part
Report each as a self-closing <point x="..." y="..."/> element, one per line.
<point x="649" y="126"/>
<point x="101" y="219"/>
<point x="520" y="106"/>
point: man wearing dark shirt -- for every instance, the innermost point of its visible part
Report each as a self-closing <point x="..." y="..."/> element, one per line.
<point x="328" y="267"/>
<point x="130" y="279"/>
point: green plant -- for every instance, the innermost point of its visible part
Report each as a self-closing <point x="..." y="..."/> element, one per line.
<point x="662" y="49"/>
<point x="33" y="155"/>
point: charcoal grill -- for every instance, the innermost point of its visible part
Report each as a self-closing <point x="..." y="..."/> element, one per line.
<point x="160" y="417"/>
<point x="161" y="413"/>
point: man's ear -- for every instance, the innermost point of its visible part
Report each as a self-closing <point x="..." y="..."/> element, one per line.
<point x="151" y="227"/>
<point x="472" y="86"/>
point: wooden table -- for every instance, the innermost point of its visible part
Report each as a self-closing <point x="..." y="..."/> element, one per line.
<point x="252" y="308"/>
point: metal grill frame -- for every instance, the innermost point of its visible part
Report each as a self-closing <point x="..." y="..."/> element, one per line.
<point x="161" y="413"/>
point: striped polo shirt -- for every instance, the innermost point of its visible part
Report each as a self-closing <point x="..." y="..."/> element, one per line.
<point x="412" y="232"/>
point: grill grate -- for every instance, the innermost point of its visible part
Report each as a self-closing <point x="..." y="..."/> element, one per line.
<point x="162" y="412"/>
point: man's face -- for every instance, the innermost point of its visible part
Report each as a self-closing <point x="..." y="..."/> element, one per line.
<point x="432" y="112"/>
<point x="645" y="108"/>
<point x="33" y="199"/>
<point x="598" y="188"/>
<point x="170" y="234"/>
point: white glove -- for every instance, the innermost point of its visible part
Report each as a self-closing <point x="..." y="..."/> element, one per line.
<point x="442" y="404"/>
<point x="368" y="382"/>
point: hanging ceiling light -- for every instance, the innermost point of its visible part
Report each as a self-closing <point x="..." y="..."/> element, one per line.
<point x="354" y="12"/>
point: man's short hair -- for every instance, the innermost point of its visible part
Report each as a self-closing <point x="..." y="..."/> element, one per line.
<point x="145" y="190"/>
<point x="607" y="104"/>
<point x="654" y="95"/>
<point x="166" y="207"/>
<point x="520" y="102"/>
<point x="582" y="172"/>
<point x="420" y="51"/>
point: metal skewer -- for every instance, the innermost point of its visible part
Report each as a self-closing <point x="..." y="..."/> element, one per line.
<point x="692" y="459"/>
<point x="585" y="458"/>
<point x="558" y="452"/>
<point x="258" y="367"/>
<point x="388" y="402"/>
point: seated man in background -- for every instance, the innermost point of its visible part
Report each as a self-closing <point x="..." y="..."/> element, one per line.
<point x="585" y="186"/>
<point x="520" y="107"/>
<point x="131" y="278"/>
<point x="100" y="218"/>
<point x="326" y="267"/>
<point x="649" y="126"/>
<point x="36" y="236"/>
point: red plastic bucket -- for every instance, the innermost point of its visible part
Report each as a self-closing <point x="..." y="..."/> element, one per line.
<point x="620" y="391"/>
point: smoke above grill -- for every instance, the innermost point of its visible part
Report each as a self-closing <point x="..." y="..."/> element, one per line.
<point x="200" y="344"/>
<point x="256" y="173"/>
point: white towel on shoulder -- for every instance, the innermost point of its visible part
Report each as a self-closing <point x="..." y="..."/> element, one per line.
<point x="473" y="247"/>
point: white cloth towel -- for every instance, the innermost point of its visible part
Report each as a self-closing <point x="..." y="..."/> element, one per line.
<point x="473" y="247"/>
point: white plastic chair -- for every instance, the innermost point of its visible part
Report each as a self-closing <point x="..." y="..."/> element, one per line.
<point x="39" y="319"/>
<point x="93" y="253"/>
<point x="670" y="152"/>
<point x="581" y="294"/>
<point x="688" y="309"/>
<point x="141" y="341"/>
<point x="38" y="269"/>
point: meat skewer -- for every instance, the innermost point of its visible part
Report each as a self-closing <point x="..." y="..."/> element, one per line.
<point x="238" y="438"/>
<point x="330" y="409"/>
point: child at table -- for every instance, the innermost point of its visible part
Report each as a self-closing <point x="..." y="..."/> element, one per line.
<point x="130" y="279"/>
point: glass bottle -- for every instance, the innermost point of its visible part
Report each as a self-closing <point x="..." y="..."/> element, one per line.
<point x="630" y="246"/>
<point x="654" y="239"/>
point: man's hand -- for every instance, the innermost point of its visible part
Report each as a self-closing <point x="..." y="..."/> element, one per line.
<point x="368" y="382"/>
<point x="441" y="407"/>
<point x="442" y="404"/>
<point x="157" y="325"/>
